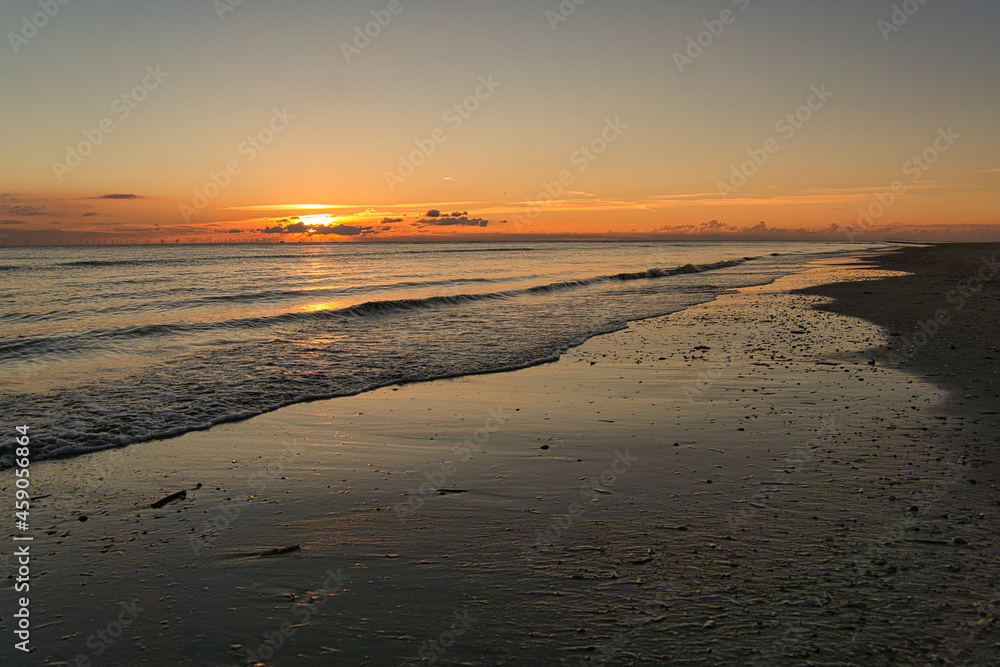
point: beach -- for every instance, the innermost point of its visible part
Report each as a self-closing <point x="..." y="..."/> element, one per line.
<point x="797" y="473"/>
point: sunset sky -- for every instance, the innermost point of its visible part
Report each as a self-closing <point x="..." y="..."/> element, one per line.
<point x="239" y="120"/>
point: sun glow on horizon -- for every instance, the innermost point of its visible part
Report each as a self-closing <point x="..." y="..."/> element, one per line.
<point x="320" y="219"/>
<point x="293" y="207"/>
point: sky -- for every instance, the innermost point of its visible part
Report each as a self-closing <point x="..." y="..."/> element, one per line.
<point x="241" y="120"/>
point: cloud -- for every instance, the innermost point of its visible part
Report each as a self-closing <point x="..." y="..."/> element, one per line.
<point x="12" y="222"/>
<point x="386" y="221"/>
<point x="120" y="196"/>
<point x="233" y="231"/>
<point x="294" y="228"/>
<point x="23" y="209"/>
<point x="450" y="221"/>
<point x="88" y="214"/>
<point x="712" y="226"/>
<point x="317" y="230"/>
<point x="713" y="229"/>
<point x="457" y="218"/>
<point x="343" y="230"/>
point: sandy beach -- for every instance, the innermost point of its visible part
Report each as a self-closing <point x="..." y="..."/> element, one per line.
<point x="800" y="473"/>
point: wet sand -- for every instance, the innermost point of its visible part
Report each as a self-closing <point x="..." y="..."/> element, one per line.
<point x="736" y="483"/>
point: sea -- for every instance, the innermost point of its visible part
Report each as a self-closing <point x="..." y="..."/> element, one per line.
<point x="105" y="346"/>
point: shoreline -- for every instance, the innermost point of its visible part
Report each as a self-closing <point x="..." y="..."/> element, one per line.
<point x="728" y="484"/>
<point x="940" y="317"/>
<point x="55" y="442"/>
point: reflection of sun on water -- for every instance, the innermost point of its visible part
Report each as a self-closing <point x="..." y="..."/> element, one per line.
<point x="329" y="305"/>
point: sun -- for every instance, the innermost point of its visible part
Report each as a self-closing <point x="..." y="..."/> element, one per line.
<point x="319" y="219"/>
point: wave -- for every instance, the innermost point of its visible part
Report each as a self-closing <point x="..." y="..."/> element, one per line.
<point x="306" y="356"/>
<point x="381" y="307"/>
<point x="97" y="263"/>
<point x="274" y="295"/>
<point x="80" y="342"/>
<point x="110" y="262"/>
<point x="159" y="298"/>
<point x="455" y="250"/>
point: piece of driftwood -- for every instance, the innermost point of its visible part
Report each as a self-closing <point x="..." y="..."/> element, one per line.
<point x="279" y="551"/>
<point x="180" y="495"/>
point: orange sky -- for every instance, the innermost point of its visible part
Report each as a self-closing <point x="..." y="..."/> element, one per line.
<point x="617" y="120"/>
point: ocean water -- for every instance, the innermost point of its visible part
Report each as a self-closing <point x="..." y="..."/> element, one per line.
<point x="106" y="346"/>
